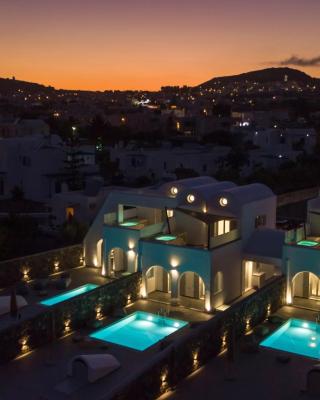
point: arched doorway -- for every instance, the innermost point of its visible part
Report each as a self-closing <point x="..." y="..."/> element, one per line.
<point x="192" y="290"/>
<point x="117" y="261"/>
<point x="305" y="285"/>
<point x="158" y="283"/>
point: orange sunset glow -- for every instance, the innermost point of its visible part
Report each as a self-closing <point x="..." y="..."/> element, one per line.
<point x="139" y="44"/>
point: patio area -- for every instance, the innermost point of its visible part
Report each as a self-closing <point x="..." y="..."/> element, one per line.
<point x="79" y="276"/>
<point x="188" y="302"/>
<point x="252" y="376"/>
<point x="42" y="373"/>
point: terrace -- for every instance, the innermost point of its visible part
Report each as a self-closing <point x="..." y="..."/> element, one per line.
<point x="43" y="371"/>
<point x="250" y="372"/>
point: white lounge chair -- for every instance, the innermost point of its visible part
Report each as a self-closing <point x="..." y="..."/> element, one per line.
<point x="92" y="366"/>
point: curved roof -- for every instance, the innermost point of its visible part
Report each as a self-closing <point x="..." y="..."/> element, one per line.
<point x="188" y="183"/>
<point x="249" y="193"/>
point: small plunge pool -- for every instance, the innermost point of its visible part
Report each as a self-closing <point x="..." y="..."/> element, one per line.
<point x="296" y="336"/>
<point x="51" y="301"/>
<point x="139" y="330"/>
<point x="166" y="238"/>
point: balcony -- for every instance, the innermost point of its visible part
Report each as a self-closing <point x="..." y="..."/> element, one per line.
<point x="299" y="237"/>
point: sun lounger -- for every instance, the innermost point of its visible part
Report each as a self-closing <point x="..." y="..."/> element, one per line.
<point x="92" y="366"/>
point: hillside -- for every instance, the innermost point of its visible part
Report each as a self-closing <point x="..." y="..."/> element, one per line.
<point x="263" y="76"/>
<point x="8" y="86"/>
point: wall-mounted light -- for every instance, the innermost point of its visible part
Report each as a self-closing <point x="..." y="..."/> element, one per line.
<point x="99" y="314"/>
<point x="25" y="273"/>
<point x="247" y="325"/>
<point x="174" y="262"/>
<point x="67" y="326"/>
<point x="268" y="310"/>
<point x="174" y="190"/>
<point x="223" y="201"/>
<point x="56" y="265"/>
<point x="131" y="244"/>
<point x="24" y="344"/>
<point x="190" y="198"/>
<point x="195" y="356"/>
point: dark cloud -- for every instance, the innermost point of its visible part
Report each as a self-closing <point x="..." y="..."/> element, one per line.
<point x="301" y="62"/>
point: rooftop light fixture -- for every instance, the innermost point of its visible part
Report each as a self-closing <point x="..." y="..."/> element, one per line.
<point x="223" y="202"/>
<point x="174" y="191"/>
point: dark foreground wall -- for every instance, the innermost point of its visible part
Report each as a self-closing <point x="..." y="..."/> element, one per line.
<point x="40" y="265"/>
<point x="177" y="361"/>
<point x="50" y="323"/>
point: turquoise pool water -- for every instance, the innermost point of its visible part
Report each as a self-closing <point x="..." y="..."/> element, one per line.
<point x="139" y="330"/>
<point x="166" y="238"/>
<point x="296" y="336"/>
<point x="68" y="295"/>
<point x="129" y="223"/>
<point x="308" y="243"/>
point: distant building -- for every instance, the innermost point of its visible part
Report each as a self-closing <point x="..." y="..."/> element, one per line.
<point x="37" y="165"/>
<point x="160" y="162"/>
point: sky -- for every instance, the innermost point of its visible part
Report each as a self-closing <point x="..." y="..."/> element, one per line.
<point x="145" y="44"/>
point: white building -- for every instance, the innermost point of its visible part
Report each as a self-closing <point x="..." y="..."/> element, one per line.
<point x="279" y="141"/>
<point x="37" y="164"/>
<point x="301" y="260"/>
<point x="190" y="239"/>
<point x="160" y="162"/>
<point x="23" y="127"/>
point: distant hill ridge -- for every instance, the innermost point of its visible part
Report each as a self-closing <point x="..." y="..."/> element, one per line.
<point x="264" y="76"/>
<point x="8" y="85"/>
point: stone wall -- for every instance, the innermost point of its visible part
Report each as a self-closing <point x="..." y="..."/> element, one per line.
<point x="40" y="265"/>
<point x="51" y="323"/>
<point x="176" y="361"/>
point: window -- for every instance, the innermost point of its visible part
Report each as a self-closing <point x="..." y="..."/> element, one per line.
<point x="261" y="220"/>
<point x="69" y="213"/>
<point x="222" y="227"/>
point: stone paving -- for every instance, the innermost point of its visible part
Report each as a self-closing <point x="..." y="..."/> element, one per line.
<point x="38" y="373"/>
<point x="256" y="376"/>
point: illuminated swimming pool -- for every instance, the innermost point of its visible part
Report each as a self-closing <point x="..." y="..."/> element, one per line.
<point x="166" y="238"/>
<point x="139" y="330"/>
<point x="68" y="295"/>
<point x="296" y="336"/>
<point x="308" y="243"/>
<point x="129" y="223"/>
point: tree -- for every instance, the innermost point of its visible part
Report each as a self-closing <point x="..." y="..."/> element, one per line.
<point x="74" y="163"/>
